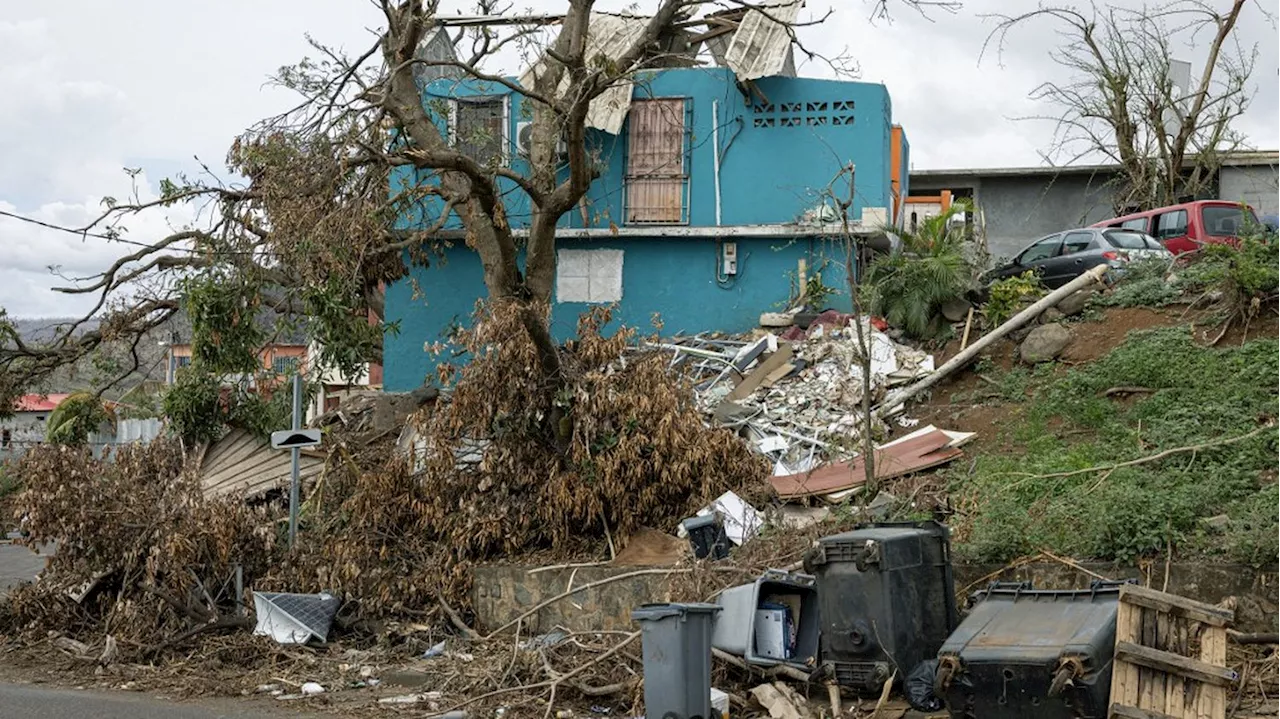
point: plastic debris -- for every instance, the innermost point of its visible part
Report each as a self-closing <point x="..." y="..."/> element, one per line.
<point x="311" y="688"/>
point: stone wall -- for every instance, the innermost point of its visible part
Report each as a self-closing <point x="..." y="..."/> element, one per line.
<point x="501" y="592"/>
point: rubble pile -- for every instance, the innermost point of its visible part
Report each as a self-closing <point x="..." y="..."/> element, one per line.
<point x="798" y="396"/>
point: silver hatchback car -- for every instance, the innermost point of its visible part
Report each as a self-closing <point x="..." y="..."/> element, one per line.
<point x="1064" y="256"/>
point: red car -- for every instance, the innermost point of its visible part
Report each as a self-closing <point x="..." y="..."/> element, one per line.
<point x="1183" y="228"/>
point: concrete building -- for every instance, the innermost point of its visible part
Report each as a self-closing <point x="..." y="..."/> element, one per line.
<point x="1021" y="204"/>
<point x="26" y="428"/>
<point x="708" y="200"/>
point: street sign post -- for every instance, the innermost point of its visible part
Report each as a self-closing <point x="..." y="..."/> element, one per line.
<point x="294" y="440"/>
<point x="291" y="438"/>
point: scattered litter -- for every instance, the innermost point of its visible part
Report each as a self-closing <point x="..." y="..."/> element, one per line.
<point x="781" y="701"/>
<point x="797" y="396"/>
<point x="412" y="698"/>
<point x="435" y="651"/>
<point x="544" y="641"/>
<point x="294" y="618"/>
<point x="741" y="520"/>
<point x="311" y="688"/>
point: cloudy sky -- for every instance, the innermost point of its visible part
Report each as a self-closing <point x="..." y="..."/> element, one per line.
<point x="90" y="88"/>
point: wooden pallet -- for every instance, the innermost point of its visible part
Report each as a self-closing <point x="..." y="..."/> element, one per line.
<point x="1171" y="656"/>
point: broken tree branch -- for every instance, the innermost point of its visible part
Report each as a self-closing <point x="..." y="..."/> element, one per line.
<point x="1151" y="458"/>
<point x="966" y="356"/>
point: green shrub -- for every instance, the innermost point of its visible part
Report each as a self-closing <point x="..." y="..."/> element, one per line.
<point x="1006" y="297"/>
<point x="909" y="288"/>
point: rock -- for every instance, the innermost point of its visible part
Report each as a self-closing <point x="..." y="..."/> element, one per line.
<point x="955" y="310"/>
<point x="1044" y="343"/>
<point x="1051" y="315"/>
<point x="1073" y="304"/>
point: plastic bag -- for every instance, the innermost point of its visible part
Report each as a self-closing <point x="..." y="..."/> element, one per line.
<point x="919" y="687"/>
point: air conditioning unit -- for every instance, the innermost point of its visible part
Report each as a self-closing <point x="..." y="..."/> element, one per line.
<point x="524" y="140"/>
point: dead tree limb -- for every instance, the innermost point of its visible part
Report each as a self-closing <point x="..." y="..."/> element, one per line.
<point x="966" y="356"/>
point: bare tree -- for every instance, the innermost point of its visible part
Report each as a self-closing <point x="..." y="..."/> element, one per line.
<point x="1126" y="102"/>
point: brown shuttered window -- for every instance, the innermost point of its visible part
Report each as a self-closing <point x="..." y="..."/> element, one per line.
<point x="656" y="176"/>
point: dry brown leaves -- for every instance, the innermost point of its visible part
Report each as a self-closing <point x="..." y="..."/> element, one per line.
<point x="610" y="446"/>
<point x="136" y="529"/>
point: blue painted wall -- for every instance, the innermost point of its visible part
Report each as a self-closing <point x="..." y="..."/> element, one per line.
<point x="674" y="277"/>
<point x="777" y="158"/>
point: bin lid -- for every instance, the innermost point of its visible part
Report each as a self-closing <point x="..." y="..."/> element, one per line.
<point x="654" y="612"/>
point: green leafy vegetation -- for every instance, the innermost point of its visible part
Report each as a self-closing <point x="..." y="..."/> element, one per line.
<point x="1016" y="503"/>
<point x="75" y="418"/>
<point x="908" y="288"/>
<point x="1239" y="274"/>
<point x="1007" y="296"/>
<point x="200" y="408"/>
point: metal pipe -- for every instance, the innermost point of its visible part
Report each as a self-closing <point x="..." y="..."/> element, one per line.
<point x="295" y="455"/>
<point x="715" y="145"/>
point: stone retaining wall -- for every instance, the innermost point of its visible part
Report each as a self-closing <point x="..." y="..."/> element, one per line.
<point x="503" y="592"/>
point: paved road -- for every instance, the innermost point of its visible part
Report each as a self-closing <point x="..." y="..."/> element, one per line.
<point x="18" y="564"/>
<point x="22" y="702"/>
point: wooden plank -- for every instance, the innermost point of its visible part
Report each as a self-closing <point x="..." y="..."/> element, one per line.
<point x="762" y="372"/>
<point x="778" y="374"/>
<point x="1213" y="651"/>
<point x="1124" y="676"/>
<point x="1120" y="711"/>
<point x="1146" y="675"/>
<point x="1173" y="604"/>
<point x="1174" y="664"/>
<point x="1160" y="681"/>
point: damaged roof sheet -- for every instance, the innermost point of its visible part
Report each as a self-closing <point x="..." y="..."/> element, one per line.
<point x="243" y="464"/>
<point x="761" y="46"/>
<point x="610" y="36"/>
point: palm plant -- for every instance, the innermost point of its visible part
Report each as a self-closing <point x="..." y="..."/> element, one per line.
<point x="908" y="288"/>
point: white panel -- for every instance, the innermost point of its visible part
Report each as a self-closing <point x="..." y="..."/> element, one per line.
<point x="573" y="289"/>
<point x="589" y="275"/>
<point x="573" y="263"/>
<point x="606" y="275"/>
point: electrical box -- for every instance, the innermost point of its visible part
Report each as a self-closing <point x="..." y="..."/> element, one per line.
<point x="729" y="258"/>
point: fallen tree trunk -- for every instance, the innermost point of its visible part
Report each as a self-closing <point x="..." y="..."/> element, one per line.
<point x="967" y="355"/>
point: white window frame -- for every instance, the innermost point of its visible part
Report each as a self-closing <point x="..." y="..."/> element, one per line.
<point x="506" y="122"/>
<point x="600" y="281"/>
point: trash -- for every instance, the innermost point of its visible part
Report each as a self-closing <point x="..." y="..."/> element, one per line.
<point x="707" y="536"/>
<point x="311" y="688"/>
<point x="781" y="701"/>
<point x="267" y="689"/>
<point x="435" y="651"/>
<point x="294" y="618"/>
<point x="741" y="520"/>
<point x="918" y="687"/>
<point x="544" y="641"/>
<point x="719" y="704"/>
<point x="773" y="620"/>
<point x="791" y="516"/>
<point x="919" y="451"/>
<point x="412" y="698"/>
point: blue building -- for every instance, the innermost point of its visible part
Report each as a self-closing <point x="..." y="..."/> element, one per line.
<point x="707" y="203"/>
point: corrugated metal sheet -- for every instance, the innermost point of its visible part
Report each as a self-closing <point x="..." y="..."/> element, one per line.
<point x="655" y="162"/>
<point x="761" y="46"/>
<point x="243" y="464"/>
<point x="610" y="36"/>
<point x="137" y="430"/>
<point x="437" y="46"/>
